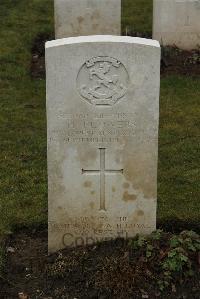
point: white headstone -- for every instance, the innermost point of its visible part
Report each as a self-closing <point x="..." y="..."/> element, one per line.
<point x="177" y="22"/>
<point x="102" y="112"/>
<point x="87" y="17"/>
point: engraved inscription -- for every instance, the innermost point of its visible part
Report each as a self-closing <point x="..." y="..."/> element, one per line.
<point x="95" y="128"/>
<point x="102" y="81"/>
<point x="103" y="171"/>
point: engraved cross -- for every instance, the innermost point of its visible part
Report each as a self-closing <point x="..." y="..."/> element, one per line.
<point x="102" y="172"/>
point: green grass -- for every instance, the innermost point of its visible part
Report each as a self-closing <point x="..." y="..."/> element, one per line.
<point x="23" y="175"/>
<point x="137" y="16"/>
<point x="179" y="147"/>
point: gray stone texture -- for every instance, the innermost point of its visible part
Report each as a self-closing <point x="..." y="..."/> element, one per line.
<point x="102" y="115"/>
<point x="87" y="17"/>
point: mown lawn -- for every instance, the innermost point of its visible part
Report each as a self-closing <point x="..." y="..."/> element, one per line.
<point x="137" y="16"/>
<point x="23" y="122"/>
<point x="23" y="176"/>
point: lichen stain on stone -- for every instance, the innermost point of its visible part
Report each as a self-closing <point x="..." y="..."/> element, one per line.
<point x="129" y="197"/>
<point x="140" y="213"/>
<point x="91" y="205"/>
<point x="136" y="171"/>
<point x="87" y="155"/>
<point x="113" y="189"/>
<point x="95" y="26"/>
<point x="126" y="185"/>
<point x="117" y="160"/>
<point x="100" y="225"/>
<point x="80" y="19"/>
<point x="92" y="192"/>
<point x="87" y="184"/>
<point x="95" y="15"/>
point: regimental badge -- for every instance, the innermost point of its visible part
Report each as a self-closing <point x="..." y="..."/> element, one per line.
<point x="102" y="81"/>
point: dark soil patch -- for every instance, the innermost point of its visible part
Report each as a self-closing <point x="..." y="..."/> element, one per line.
<point x="177" y="61"/>
<point x="175" y="225"/>
<point x="108" y="270"/>
<point x="174" y="60"/>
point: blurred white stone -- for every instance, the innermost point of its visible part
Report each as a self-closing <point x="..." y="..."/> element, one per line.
<point x="87" y="17"/>
<point x="177" y="22"/>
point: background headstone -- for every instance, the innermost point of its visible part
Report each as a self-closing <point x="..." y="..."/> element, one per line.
<point x="87" y="17"/>
<point x="177" y="22"/>
<point x="102" y="111"/>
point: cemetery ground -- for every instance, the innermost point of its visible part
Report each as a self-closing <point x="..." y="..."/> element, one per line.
<point x="165" y="265"/>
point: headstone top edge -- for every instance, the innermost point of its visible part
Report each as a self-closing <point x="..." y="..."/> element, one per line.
<point x="100" y="39"/>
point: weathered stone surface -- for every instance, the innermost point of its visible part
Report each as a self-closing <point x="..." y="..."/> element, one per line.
<point x="87" y="17"/>
<point x="102" y="111"/>
<point x="177" y="22"/>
